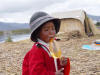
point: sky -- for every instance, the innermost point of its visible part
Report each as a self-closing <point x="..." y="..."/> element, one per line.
<point x="20" y="11"/>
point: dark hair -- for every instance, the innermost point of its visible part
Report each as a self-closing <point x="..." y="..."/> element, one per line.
<point x="35" y="34"/>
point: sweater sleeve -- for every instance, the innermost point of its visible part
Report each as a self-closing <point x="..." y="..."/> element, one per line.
<point x="37" y="64"/>
<point x="58" y="64"/>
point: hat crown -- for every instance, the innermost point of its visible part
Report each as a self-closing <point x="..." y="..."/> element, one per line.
<point x="37" y="15"/>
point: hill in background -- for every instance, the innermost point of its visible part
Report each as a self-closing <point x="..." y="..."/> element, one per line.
<point x="94" y="18"/>
<point x="17" y="26"/>
<point x="13" y="26"/>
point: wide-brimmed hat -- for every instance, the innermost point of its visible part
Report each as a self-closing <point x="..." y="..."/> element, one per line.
<point x="38" y="19"/>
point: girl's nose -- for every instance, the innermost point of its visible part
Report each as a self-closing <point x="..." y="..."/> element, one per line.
<point x="52" y="32"/>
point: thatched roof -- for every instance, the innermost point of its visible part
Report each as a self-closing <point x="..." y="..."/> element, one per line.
<point x="77" y="14"/>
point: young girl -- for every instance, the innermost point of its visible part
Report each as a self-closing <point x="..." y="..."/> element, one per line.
<point x="39" y="61"/>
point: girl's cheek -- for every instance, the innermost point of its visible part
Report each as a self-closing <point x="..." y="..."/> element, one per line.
<point x="45" y="33"/>
<point x="54" y="33"/>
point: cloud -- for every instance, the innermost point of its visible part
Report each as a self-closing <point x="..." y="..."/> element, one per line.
<point x="16" y="17"/>
<point x="21" y="10"/>
<point x="57" y="7"/>
<point x="11" y="6"/>
<point x="90" y="6"/>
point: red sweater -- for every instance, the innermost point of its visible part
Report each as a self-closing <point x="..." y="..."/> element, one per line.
<point x="38" y="62"/>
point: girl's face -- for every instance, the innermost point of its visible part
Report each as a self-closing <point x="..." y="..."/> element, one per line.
<point x="47" y="32"/>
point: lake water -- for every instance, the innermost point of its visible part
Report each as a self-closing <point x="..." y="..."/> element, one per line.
<point x="15" y="37"/>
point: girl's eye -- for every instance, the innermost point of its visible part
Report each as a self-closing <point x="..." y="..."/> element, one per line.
<point x="45" y="29"/>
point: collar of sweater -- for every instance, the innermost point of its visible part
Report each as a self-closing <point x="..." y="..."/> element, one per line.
<point x="43" y="43"/>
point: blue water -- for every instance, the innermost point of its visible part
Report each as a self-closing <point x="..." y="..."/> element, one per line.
<point x="1" y="38"/>
<point x="15" y="37"/>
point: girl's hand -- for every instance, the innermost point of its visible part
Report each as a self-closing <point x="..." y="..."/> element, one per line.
<point x="63" y="61"/>
<point x="59" y="72"/>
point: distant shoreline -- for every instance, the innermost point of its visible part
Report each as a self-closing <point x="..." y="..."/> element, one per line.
<point x="16" y="38"/>
<point x="19" y="31"/>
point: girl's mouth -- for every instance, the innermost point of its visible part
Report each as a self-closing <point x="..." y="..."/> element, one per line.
<point x="51" y="39"/>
